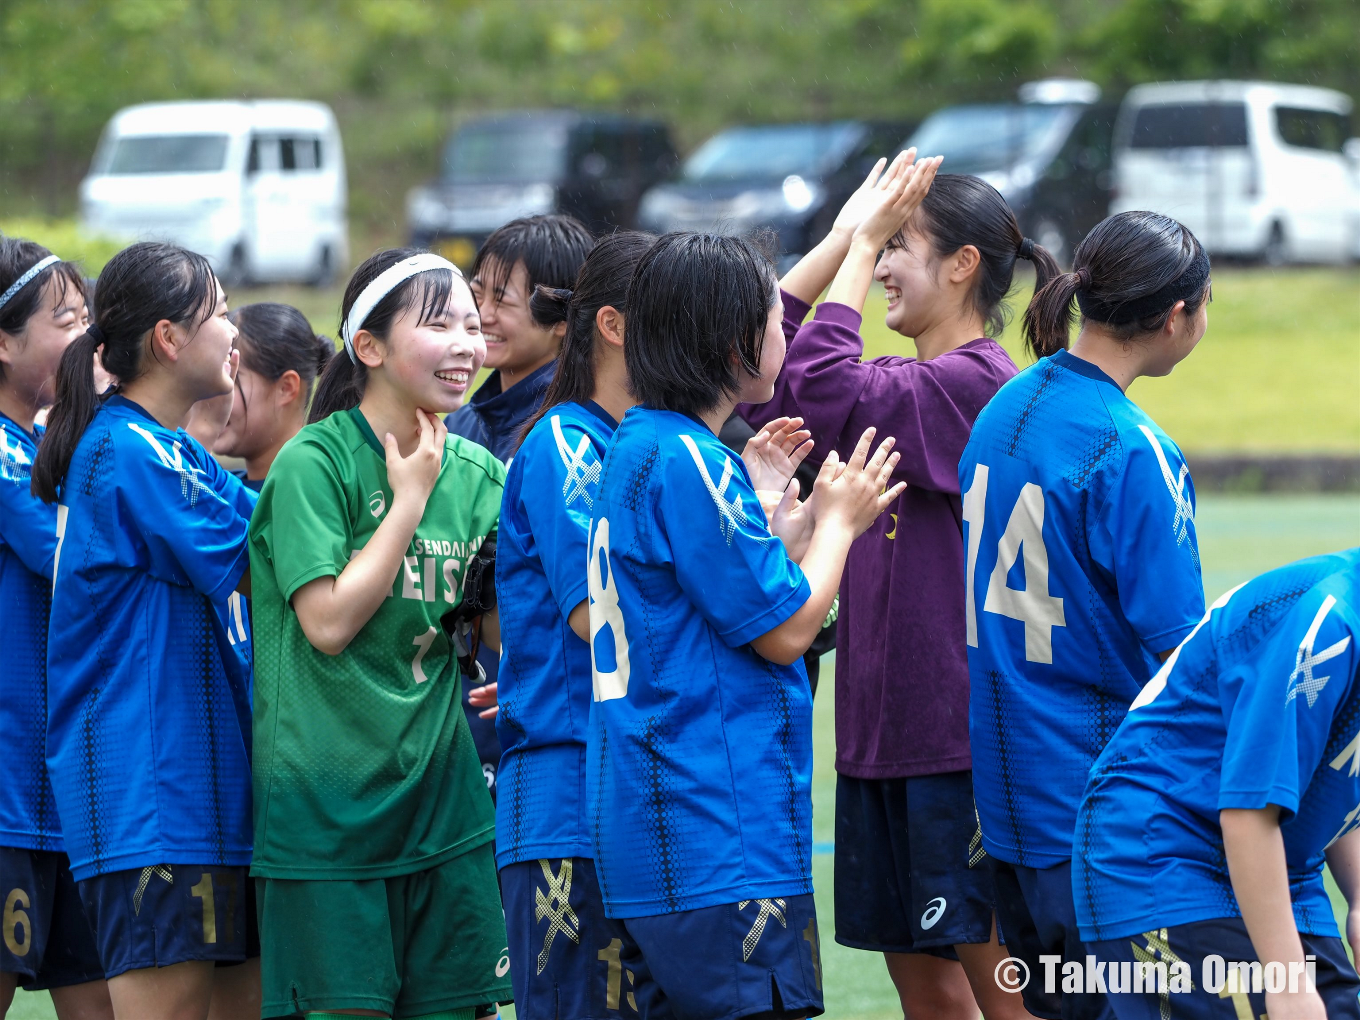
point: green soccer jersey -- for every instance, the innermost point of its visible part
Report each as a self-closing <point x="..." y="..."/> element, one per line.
<point x="364" y="766"/>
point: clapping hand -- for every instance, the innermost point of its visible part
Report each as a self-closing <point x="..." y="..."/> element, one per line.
<point x="774" y="453"/>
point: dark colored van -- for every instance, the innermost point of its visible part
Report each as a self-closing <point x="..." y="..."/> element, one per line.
<point x="1049" y="155"/>
<point x="495" y="169"/>
<point x="789" y="178"/>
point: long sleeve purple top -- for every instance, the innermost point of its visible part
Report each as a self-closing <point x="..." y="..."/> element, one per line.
<point x="901" y="659"/>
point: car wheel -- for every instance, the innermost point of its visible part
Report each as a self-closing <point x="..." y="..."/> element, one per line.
<point x="1276" y="250"/>
<point x="324" y="274"/>
<point x="234" y="273"/>
<point x="1048" y="235"/>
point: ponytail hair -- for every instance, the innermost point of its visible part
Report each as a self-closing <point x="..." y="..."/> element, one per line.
<point x="959" y="210"/>
<point x="18" y="257"/>
<point x="603" y="281"/>
<point x="275" y="338"/>
<point x="142" y="285"/>
<point x="1127" y="275"/>
<point x="344" y="378"/>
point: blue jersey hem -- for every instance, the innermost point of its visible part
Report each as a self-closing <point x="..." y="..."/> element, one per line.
<point x="544" y="852"/>
<point x="31" y="841"/>
<point x="1187" y="915"/>
<point x="237" y="858"/>
<point x="786" y="888"/>
<point x="1040" y="859"/>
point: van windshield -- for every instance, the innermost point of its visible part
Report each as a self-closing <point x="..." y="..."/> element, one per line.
<point x="773" y="151"/>
<point x="1190" y="126"/>
<point x="979" y="139"/>
<point x="167" y="154"/>
<point x="506" y="154"/>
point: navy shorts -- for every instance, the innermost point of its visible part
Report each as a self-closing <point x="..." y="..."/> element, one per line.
<point x="562" y="965"/>
<point x="171" y="913"/>
<point x="911" y="874"/>
<point x="757" y="959"/>
<point x="1226" y="937"/>
<point x="1038" y="917"/>
<point x="47" y="940"/>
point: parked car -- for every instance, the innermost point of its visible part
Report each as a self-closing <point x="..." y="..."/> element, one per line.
<point x="789" y="178"/>
<point x="257" y="187"/>
<point x="1048" y="155"/>
<point x="495" y="169"/>
<point x="1255" y="169"/>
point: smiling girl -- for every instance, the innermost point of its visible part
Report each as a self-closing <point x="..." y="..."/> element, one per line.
<point x="373" y="826"/>
<point x="148" y="738"/>
<point x="42" y="310"/>
<point x="909" y="883"/>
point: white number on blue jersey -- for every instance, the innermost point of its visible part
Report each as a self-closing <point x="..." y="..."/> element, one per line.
<point x="62" y="511"/>
<point x="1024" y="535"/>
<point x="605" y="612"/>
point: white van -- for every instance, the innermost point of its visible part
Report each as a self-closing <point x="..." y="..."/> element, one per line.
<point x="257" y="187"/>
<point x="1255" y="169"/>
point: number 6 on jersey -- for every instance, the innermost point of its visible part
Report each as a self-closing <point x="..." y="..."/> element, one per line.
<point x="605" y="612"/>
<point x="1024" y="536"/>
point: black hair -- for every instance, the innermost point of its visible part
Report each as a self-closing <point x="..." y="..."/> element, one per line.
<point x="1127" y="274"/>
<point x="17" y="257"/>
<point x="274" y="338"/>
<point x="698" y="305"/>
<point x="142" y="285"/>
<point x="552" y="248"/>
<point x="603" y="280"/>
<point x="342" y="383"/>
<point x="960" y="209"/>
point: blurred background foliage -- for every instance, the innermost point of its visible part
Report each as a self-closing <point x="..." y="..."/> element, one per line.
<point x="401" y="73"/>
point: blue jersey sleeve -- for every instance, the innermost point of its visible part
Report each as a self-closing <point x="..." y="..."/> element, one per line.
<point x="27" y="524"/>
<point x="559" y="515"/>
<point x="734" y="571"/>
<point x="1289" y="695"/>
<point x="190" y="514"/>
<point x="1144" y="538"/>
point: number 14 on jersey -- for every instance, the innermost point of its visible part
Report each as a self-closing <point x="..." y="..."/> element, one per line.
<point x="1023" y="537"/>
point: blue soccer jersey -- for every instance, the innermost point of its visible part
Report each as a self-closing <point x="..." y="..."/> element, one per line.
<point x="148" y="718"/>
<point x="1259" y="706"/>
<point x="545" y="668"/>
<point x="700" y="755"/>
<point x="1081" y="565"/>
<point x="28" y="538"/>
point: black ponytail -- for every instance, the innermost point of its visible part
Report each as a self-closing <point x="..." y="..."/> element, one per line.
<point x="603" y="281"/>
<point x="959" y="210"/>
<point x="140" y="286"/>
<point x="342" y="383"/>
<point x="17" y="257"/>
<point x="1127" y="275"/>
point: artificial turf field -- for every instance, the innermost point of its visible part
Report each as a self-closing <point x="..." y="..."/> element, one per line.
<point x="1239" y="537"/>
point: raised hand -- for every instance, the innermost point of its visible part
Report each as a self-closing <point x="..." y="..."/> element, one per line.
<point x="896" y="196"/>
<point x="864" y="198"/>
<point x="774" y="453"/>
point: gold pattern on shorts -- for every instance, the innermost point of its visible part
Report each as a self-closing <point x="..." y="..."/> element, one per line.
<point x="976" y="853"/>
<point x="554" y="904"/>
<point x="1158" y="946"/>
<point x="160" y="871"/>
<point x="768" y="909"/>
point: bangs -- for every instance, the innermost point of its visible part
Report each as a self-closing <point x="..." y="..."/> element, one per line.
<point x="429" y="291"/>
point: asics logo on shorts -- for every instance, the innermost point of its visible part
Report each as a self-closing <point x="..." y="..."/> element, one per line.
<point x="934" y="911"/>
<point x="768" y="909"/>
<point x="553" y="903"/>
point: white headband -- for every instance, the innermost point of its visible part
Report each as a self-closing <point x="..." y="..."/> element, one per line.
<point x="23" y="281"/>
<point x="387" y="281"/>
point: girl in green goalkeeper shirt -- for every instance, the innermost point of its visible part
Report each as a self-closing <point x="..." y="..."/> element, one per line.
<point x="373" y="825"/>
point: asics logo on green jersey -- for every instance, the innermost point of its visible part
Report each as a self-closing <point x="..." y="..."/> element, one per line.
<point x="377" y="503"/>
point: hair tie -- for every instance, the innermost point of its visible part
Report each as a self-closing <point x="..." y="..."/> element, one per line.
<point x="1026" y="249"/>
<point x="96" y="334"/>
<point x="24" y="280"/>
<point x="1083" y="278"/>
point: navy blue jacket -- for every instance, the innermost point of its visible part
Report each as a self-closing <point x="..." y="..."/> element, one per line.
<point x="493" y="418"/>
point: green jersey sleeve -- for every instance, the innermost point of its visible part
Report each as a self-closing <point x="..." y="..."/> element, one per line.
<point x="305" y="530"/>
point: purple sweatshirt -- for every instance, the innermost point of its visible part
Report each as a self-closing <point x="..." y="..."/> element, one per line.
<point x="901" y="660"/>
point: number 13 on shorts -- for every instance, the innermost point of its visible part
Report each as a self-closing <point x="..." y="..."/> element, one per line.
<point x="1023" y="538"/>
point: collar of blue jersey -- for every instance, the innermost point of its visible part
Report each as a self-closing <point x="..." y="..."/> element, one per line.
<point x="1081" y="366"/>
<point x="601" y="413"/>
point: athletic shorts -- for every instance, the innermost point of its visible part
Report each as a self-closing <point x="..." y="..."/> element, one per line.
<point x="1227" y="938"/>
<point x="171" y="913"/>
<point x="561" y="963"/>
<point x="406" y="946"/>
<point x="911" y="874"/>
<point x="47" y="940"/>
<point x="757" y="959"/>
<point x="1037" y="917"/>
